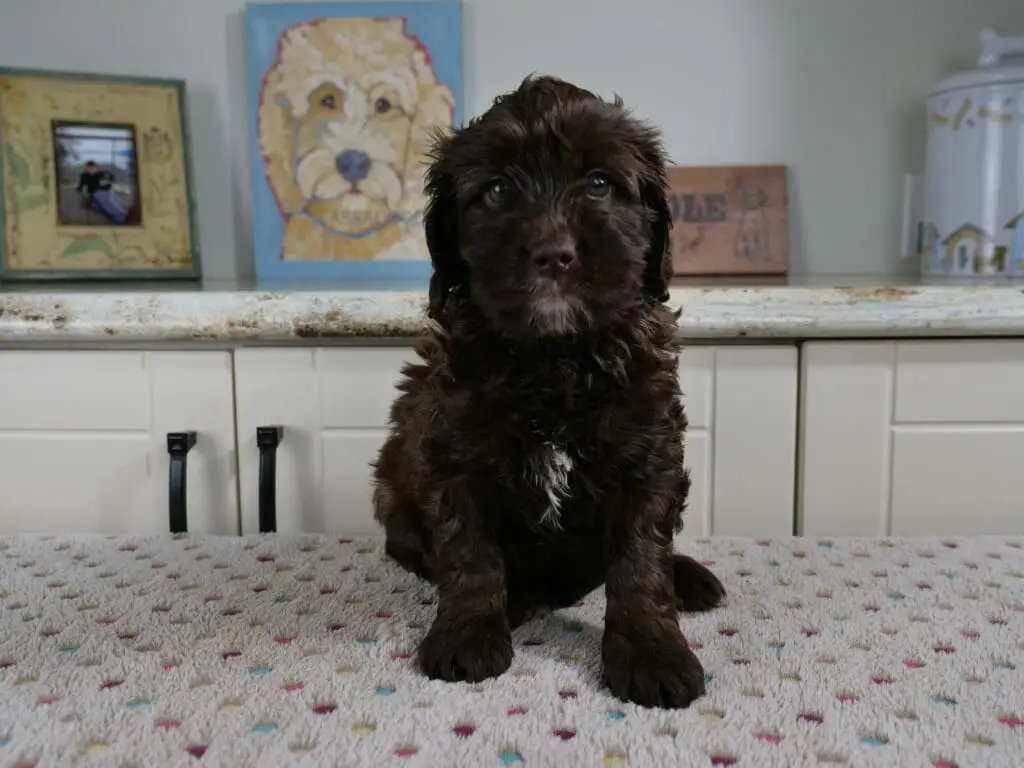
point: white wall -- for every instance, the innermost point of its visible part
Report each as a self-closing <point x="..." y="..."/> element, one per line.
<point x="833" y="88"/>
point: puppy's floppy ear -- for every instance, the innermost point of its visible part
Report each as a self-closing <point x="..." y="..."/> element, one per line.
<point x="441" y="227"/>
<point x="654" y="194"/>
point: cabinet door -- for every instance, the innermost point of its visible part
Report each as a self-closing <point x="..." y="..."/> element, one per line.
<point x="83" y="440"/>
<point x="913" y="438"/>
<point x="333" y="405"/>
<point x="754" y="441"/>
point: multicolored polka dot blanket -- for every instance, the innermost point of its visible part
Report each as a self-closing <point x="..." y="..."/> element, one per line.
<point x="298" y="650"/>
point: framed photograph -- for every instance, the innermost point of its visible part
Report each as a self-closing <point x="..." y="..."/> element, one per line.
<point x="730" y="220"/>
<point x="95" y="178"/>
<point x="344" y="99"/>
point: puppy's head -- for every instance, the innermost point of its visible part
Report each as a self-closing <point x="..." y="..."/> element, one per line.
<point x="550" y="212"/>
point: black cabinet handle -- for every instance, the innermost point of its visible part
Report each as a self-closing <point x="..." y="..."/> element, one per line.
<point x="178" y="446"/>
<point x="267" y="439"/>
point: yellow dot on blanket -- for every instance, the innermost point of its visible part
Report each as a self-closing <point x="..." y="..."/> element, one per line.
<point x="614" y="759"/>
<point x="362" y="729"/>
<point x="96" y="748"/>
<point x="229" y="706"/>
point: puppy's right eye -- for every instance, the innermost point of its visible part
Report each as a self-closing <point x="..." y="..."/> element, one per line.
<point x="329" y="102"/>
<point x="496" y="191"/>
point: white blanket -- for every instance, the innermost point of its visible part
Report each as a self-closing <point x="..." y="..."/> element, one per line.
<point x="298" y="650"/>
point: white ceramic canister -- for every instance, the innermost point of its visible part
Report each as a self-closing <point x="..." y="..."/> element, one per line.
<point x="973" y="206"/>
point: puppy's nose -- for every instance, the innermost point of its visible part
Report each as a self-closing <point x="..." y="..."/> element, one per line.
<point x="353" y="165"/>
<point x="554" y="260"/>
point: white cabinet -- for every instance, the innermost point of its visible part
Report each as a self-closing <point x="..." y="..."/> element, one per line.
<point x="333" y="404"/>
<point x="741" y="446"/>
<point x="913" y="438"/>
<point x="83" y="440"/>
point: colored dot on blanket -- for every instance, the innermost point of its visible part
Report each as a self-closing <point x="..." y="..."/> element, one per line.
<point x="510" y="758"/>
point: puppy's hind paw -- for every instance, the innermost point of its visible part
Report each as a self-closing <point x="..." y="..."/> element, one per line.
<point x="468" y="650"/>
<point x="697" y="588"/>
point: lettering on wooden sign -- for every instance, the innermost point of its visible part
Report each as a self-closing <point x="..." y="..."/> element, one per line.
<point x="729" y="220"/>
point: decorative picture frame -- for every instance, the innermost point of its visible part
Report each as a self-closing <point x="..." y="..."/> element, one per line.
<point x="95" y="178"/>
<point x="344" y="98"/>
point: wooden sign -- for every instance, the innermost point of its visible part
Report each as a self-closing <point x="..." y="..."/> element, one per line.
<point x="729" y="220"/>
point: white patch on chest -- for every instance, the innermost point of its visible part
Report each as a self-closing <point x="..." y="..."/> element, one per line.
<point x="550" y="472"/>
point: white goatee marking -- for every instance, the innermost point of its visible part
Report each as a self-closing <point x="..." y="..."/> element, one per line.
<point x="551" y="474"/>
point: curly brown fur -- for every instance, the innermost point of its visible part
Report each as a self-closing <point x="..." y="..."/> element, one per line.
<point x="536" y="452"/>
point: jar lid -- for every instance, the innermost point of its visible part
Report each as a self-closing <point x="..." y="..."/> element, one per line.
<point x="991" y="71"/>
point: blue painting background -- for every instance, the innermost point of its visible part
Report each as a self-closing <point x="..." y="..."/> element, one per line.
<point x="438" y="24"/>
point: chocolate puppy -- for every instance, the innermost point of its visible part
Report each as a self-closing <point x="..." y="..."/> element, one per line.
<point x="536" y="451"/>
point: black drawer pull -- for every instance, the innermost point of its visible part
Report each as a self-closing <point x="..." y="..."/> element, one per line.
<point x="267" y="439"/>
<point x="178" y="446"/>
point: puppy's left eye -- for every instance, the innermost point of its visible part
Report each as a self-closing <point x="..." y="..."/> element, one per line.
<point x="598" y="185"/>
<point x="381" y="106"/>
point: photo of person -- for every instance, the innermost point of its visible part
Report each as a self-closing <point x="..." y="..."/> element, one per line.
<point x="97" y="175"/>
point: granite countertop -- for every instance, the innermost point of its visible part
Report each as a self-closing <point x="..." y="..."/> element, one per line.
<point x="235" y="312"/>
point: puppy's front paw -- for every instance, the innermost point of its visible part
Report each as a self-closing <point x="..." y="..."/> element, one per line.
<point x="652" y="671"/>
<point x="466" y="650"/>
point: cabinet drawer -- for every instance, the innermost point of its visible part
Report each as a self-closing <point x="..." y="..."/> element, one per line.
<point x="74" y="390"/>
<point x="949" y="382"/>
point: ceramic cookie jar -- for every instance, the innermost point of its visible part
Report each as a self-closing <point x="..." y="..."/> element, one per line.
<point x="973" y="205"/>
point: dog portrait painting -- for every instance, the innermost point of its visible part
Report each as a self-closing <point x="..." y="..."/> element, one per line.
<point x="344" y="107"/>
<point x="536" y="447"/>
